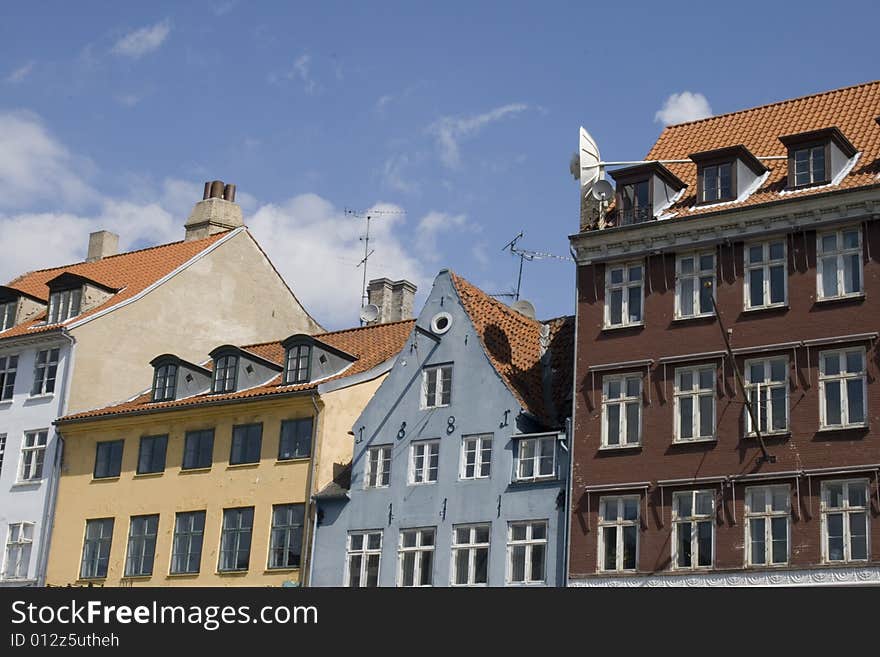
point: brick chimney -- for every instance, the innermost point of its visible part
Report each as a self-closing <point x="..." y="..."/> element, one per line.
<point x="215" y="213"/>
<point x="102" y="243"/>
<point x="394" y="299"/>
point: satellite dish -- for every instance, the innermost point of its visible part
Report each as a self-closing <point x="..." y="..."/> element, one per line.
<point x="369" y="313"/>
<point x="524" y="307"/>
<point x="591" y="171"/>
<point x="602" y="191"/>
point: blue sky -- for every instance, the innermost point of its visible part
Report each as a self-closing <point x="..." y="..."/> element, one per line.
<point x="463" y="115"/>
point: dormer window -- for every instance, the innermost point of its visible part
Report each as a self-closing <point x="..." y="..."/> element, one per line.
<point x="717" y="183"/>
<point x="225" y="371"/>
<point x="726" y="174"/>
<point x="643" y="192"/>
<point x="7" y="314"/>
<point x="297" y="366"/>
<point x="817" y="157"/>
<point x="165" y="382"/>
<point x="635" y="203"/>
<point x="64" y="304"/>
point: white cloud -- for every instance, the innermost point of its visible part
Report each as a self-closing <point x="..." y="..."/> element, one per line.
<point x="432" y="225"/>
<point x="142" y="41"/>
<point x="19" y="74"/>
<point x="393" y="174"/>
<point x="450" y="131"/>
<point x="683" y="107"/>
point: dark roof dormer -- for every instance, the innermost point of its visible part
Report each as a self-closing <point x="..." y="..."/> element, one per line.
<point x="726" y="174"/>
<point x="817" y="157"/>
<point x="175" y="378"/>
<point x="307" y="359"/>
<point x="71" y="294"/>
<point x="643" y="192"/>
<point x="16" y="307"/>
<point x="237" y="369"/>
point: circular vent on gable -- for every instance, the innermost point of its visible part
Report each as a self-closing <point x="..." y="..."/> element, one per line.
<point x="440" y="323"/>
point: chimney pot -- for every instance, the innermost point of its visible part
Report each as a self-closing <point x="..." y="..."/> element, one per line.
<point x="207" y="193"/>
<point x="393" y="298"/>
<point x="229" y="193"/>
<point x="216" y="189"/>
<point x="217" y="212"/>
<point x="102" y="243"/>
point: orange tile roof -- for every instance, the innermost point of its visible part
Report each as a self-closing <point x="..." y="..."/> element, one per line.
<point x="371" y="345"/>
<point x="129" y="273"/>
<point x="512" y="343"/>
<point x="851" y="109"/>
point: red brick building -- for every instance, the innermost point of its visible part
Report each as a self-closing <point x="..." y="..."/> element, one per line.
<point x="773" y="210"/>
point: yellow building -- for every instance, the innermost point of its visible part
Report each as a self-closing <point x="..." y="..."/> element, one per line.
<point x="206" y="479"/>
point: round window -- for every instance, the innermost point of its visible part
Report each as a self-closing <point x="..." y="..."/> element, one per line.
<point x="441" y="323"/>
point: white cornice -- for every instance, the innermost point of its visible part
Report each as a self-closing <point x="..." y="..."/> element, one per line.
<point x="735" y="225"/>
<point x="838" y="576"/>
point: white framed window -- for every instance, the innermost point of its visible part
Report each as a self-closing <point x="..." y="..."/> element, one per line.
<point x="767" y="390"/>
<point x="842" y="388"/>
<point x="535" y="458"/>
<point x="33" y="452"/>
<point x="694" y="403"/>
<point x="845" y="521"/>
<point x="693" y="297"/>
<point x="470" y="555"/>
<point x="624" y="294"/>
<point x="476" y="457"/>
<point x="839" y="263"/>
<point x="766" y="279"/>
<point x="8" y="370"/>
<point x="225" y="374"/>
<point x="2" y="450"/>
<point x="7" y="314"/>
<point x="416" y="557"/>
<point x="45" y="371"/>
<point x="362" y="559"/>
<point x="693" y="521"/>
<point x="621" y="410"/>
<point x="424" y="462"/>
<point x="619" y="533"/>
<point x="809" y="165"/>
<point x="768" y="509"/>
<point x="63" y="305"/>
<point x="527" y="552"/>
<point x="437" y="386"/>
<point x="378" y="468"/>
<point x="19" y="541"/>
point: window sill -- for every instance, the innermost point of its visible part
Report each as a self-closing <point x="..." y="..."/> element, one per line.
<point x="195" y="470"/>
<point x="147" y="475"/>
<point x="621" y="327"/>
<point x="91" y="580"/>
<point x="100" y="479"/>
<point x="534" y="480"/>
<point x="474" y="479"/>
<point x="28" y="484"/>
<point x="841" y="299"/>
<point x="295" y="459"/>
<point x="685" y="320"/>
<point x="616" y="448"/>
<point x="848" y="427"/>
<point x="136" y="578"/>
<point x="227" y="573"/>
<point x="760" y="309"/>
<point x="376" y="487"/>
<point x="695" y="441"/>
<point x="5" y="403"/>
<point x="433" y="408"/>
<point x="239" y="466"/>
<point x="182" y="575"/>
<point x="286" y="569"/>
<point x="421" y="483"/>
<point x="45" y="395"/>
<point x="769" y="434"/>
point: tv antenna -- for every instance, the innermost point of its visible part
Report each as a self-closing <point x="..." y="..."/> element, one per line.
<point x="369" y="215"/>
<point x="526" y="254"/>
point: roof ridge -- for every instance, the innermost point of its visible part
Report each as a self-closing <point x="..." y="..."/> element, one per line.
<point x="773" y="104"/>
<point x="317" y="335"/>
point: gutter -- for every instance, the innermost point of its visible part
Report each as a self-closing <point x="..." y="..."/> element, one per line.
<point x="571" y="427"/>
<point x="313" y="505"/>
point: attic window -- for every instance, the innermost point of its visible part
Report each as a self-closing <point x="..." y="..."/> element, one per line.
<point x="7" y="314"/>
<point x="643" y="192"/>
<point x="164" y="382"/>
<point x="816" y="157"/>
<point x="726" y="174"/>
<point x="64" y="304"/>
<point x="225" y="370"/>
<point x="634" y="202"/>
<point x="810" y="165"/>
<point x="297" y="366"/>
<point x="716" y="182"/>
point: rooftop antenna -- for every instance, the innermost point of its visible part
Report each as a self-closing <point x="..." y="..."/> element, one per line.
<point x="526" y="254"/>
<point x="369" y="215"/>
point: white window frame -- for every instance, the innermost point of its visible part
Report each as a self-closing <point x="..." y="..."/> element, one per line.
<point x="436" y="372"/>
<point x="767" y="514"/>
<point x="471" y="547"/>
<point x="529" y="543"/>
<point x="43" y="372"/>
<point x="137" y="548"/>
<point x="842" y="378"/>
<point x="535" y="459"/>
<point x="695" y="393"/>
<point x="624" y="286"/>
<point x="365" y="552"/>
<point x="840" y="254"/>
<point x="623" y="401"/>
<point x="384" y="454"/>
<point x="765" y="265"/>
<point x="619" y="502"/>
<point x="420" y="476"/>
<point x="64" y="304"/>
<point x="9" y="371"/>
<point x="846" y="510"/>
<point x="19" y="546"/>
<point x="418" y="550"/>
<point x="2" y="450"/>
<point x="27" y="471"/>
<point x="8" y="311"/>
<point x="768" y="385"/>
<point x="480" y="446"/>
<point x="698" y="276"/>
<point x="694" y="519"/>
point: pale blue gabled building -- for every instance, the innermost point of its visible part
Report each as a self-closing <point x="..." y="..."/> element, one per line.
<point x="460" y="466"/>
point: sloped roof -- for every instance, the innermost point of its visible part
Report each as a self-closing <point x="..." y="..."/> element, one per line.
<point x="513" y="344"/>
<point x="372" y="345"/>
<point x="130" y="273"/>
<point x="851" y="109"/>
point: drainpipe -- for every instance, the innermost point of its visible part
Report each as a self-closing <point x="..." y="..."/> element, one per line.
<point x="571" y="428"/>
<point x="52" y="493"/>
<point x="313" y="517"/>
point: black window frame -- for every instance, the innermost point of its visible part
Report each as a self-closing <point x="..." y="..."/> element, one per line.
<point x="239" y="531"/>
<point x="162" y="375"/>
<point x="296" y="439"/>
<point x="297" y="370"/>
<point x="109" y="445"/>
<point x="284" y="531"/>
<point x="192" y="535"/>
<point x="242" y="432"/>
<point x="229" y="362"/>
<point x="152" y="440"/>
<point x="199" y="434"/>
<point x="701" y="180"/>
